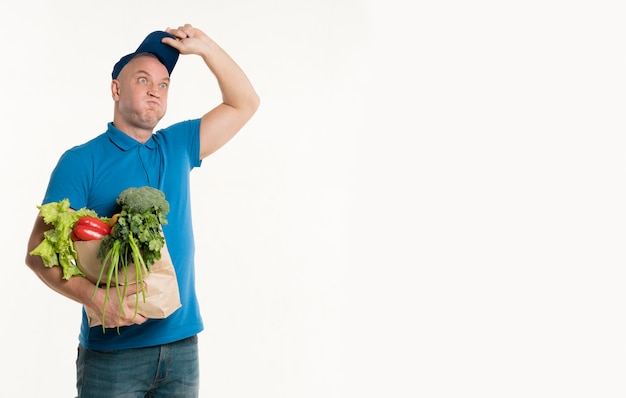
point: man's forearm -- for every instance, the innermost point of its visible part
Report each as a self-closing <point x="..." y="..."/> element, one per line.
<point x="237" y="91"/>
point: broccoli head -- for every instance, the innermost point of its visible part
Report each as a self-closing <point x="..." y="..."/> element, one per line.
<point x="142" y="199"/>
<point x="136" y="234"/>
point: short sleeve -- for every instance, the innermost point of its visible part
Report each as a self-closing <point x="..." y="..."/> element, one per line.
<point x="69" y="180"/>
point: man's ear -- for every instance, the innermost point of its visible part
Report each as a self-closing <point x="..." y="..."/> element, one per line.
<point x="115" y="89"/>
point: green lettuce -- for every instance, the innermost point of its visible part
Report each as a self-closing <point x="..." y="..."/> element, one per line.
<point x="57" y="248"/>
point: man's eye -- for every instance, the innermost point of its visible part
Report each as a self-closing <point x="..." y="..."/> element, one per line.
<point x="142" y="80"/>
<point x="163" y="86"/>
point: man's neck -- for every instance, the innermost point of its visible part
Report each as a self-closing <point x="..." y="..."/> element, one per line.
<point x="137" y="133"/>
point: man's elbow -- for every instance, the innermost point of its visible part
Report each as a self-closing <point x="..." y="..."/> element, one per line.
<point x="253" y="103"/>
<point x="33" y="262"/>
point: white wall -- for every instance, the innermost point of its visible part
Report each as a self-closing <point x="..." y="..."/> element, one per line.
<point x="428" y="203"/>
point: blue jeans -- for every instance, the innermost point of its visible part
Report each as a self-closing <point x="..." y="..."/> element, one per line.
<point x="169" y="370"/>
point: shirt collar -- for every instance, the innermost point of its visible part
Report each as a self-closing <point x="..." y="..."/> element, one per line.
<point x="124" y="141"/>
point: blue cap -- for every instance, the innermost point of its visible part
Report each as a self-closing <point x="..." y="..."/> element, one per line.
<point x="168" y="55"/>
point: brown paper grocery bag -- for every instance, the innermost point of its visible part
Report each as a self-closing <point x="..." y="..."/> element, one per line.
<point x="162" y="295"/>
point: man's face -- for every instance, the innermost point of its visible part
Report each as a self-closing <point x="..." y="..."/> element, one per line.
<point x="140" y="91"/>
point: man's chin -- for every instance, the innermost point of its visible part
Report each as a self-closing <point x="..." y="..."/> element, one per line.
<point x="151" y="120"/>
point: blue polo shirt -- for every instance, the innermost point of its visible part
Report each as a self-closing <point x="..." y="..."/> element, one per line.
<point x="92" y="175"/>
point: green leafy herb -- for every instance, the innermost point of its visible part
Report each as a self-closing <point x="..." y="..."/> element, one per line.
<point x="136" y="238"/>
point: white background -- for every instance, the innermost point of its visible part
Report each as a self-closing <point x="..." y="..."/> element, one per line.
<point x="428" y="203"/>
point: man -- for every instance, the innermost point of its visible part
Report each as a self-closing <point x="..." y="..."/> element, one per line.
<point x="147" y="357"/>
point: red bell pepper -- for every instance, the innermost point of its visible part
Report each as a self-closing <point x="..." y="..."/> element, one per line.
<point x="90" y="228"/>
